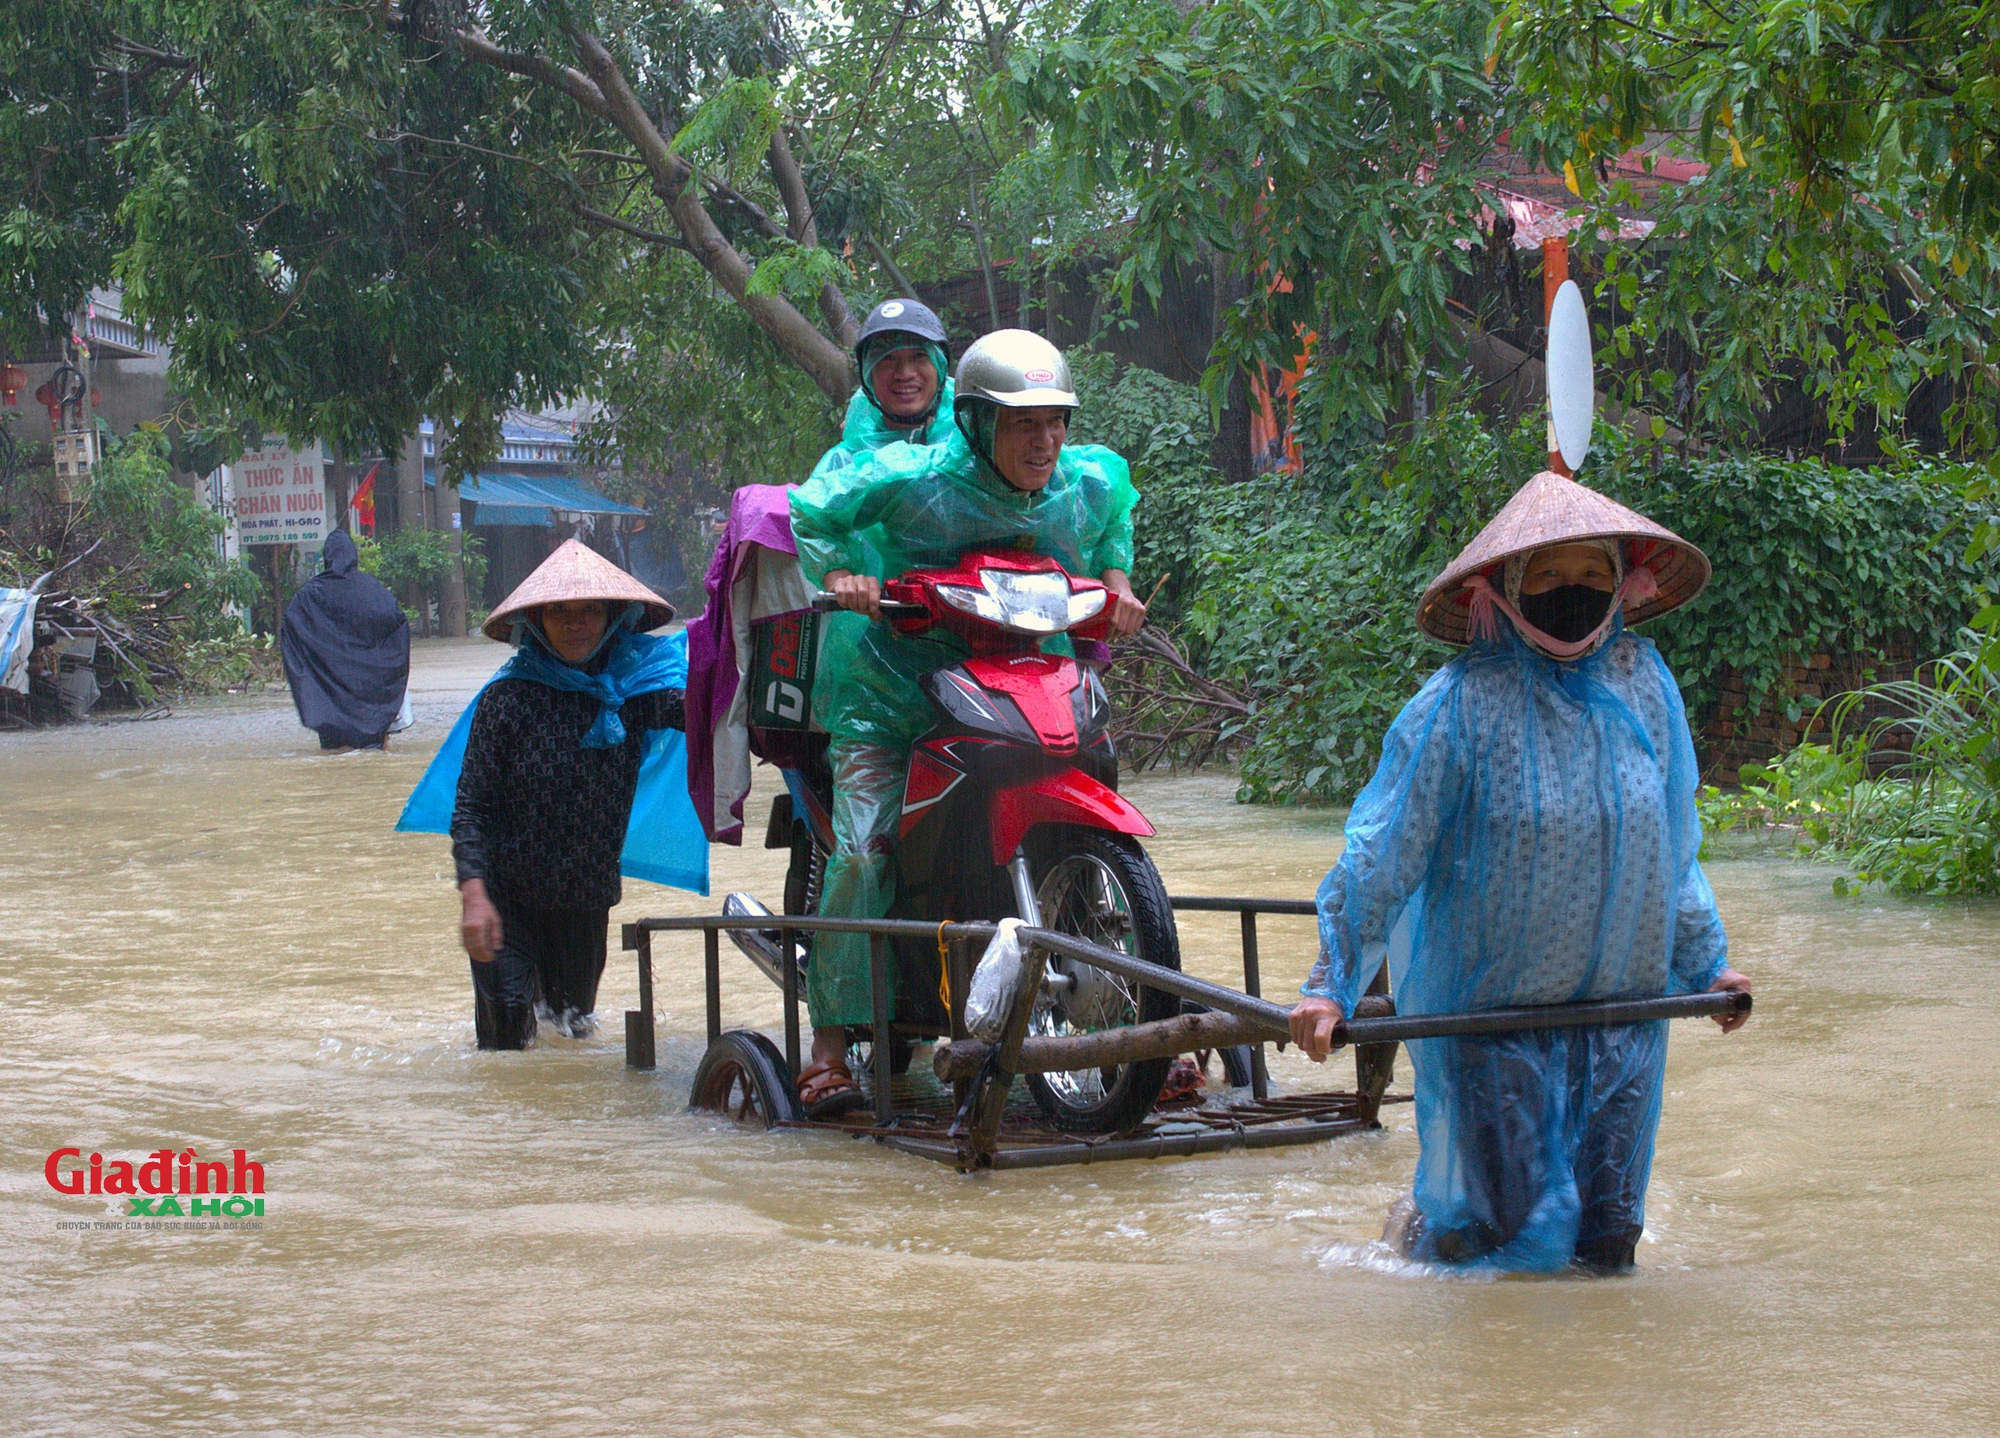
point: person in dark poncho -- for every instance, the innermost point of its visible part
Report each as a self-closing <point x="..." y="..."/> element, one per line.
<point x="546" y="789"/>
<point x="346" y="647"/>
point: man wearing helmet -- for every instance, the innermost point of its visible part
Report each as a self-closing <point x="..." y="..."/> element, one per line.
<point x="1000" y="478"/>
<point x="905" y="393"/>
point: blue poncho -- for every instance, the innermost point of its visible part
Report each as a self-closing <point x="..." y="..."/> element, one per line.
<point x="664" y="841"/>
<point x="1537" y="822"/>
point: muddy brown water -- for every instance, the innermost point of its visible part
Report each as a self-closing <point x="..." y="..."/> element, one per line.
<point x="211" y="938"/>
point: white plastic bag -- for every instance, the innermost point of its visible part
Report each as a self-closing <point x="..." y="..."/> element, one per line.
<point x="989" y="998"/>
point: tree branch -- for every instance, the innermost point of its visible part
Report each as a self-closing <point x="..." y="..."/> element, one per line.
<point x="804" y="231"/>
<point x="474" y="45"/>
<point x="655" y="237"/>
<point x="759" y="217"/>
<point x="601" y="89"/>
<point x="888" y="263"/>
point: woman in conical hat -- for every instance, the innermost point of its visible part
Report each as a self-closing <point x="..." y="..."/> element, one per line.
<point x="551" y="762"/>
<point x="1530" y="838"/>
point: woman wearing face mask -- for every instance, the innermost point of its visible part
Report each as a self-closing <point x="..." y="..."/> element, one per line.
<point x="551" y="765"/>
<point x="1002" y="479"/>
<point x="1533" y="822"/>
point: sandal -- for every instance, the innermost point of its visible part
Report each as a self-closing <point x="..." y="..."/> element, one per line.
<point x="827" y="1089"/>
<point x="1184" y="1082"/>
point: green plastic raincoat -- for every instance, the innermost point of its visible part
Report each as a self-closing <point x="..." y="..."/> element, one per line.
<point x="917" y="507"/>
<point x="910" y="507"/>
<point x="866" y="429"/>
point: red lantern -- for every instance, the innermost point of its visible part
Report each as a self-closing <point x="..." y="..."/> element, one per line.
<point x="13" y="379"/>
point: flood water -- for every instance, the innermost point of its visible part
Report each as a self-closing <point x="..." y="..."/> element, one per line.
<point x="212" y="938"/>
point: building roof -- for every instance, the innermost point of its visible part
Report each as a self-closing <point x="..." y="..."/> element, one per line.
<point x="499" y="497"/>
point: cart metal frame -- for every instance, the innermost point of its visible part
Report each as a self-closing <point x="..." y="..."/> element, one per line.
<point x="973" y="1138"/>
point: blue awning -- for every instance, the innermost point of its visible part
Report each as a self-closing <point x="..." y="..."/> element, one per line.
<point x="500" y="498"/>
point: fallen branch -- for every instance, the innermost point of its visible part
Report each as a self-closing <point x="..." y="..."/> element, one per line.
<point x="1164" y="710"/>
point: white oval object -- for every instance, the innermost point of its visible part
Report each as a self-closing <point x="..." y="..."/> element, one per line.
<point x="1570" y="385"/>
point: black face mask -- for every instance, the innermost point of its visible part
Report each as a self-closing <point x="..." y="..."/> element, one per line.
<point x="1568" y="613"/>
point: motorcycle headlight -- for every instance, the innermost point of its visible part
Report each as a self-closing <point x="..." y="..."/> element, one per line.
<point x="1034" y="603"/>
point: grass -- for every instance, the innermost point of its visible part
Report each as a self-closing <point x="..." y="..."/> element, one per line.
<point x="1909" y="797"/>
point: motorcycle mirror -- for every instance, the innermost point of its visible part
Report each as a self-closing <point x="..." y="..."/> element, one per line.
<point x="1568" y="367"/>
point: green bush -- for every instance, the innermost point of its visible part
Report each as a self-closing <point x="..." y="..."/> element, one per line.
<point x="166" y="539"/>
<point x="421" y="558"/>
<point x="1162" y="428"/>
<point x="1307" y="597"/>
<point x="1301" y="590"/>
<point x="1920" y="815"/>
<point x="1809" y="558"/>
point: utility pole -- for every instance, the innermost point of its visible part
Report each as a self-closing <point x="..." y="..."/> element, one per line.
<point x="410" y="515"/>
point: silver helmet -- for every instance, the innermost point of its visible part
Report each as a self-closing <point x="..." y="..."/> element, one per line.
<point x="1014" y="368"/>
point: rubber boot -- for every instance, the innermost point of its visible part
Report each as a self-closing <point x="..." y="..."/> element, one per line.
<point x="503" y="1025"/>
<point x="517" y="1026"/>
<point x="1608" y="1253"/>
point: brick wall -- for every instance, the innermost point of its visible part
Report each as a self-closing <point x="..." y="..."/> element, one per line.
<point x="1732" y="737"/>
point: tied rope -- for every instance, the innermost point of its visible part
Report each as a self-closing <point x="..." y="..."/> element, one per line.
<point x="1488" y="604"/>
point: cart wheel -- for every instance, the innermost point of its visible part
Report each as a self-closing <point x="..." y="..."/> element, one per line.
<point x="1236" y="1065"/>
<point x="744" y="1077"/>
<point x="1101" y="887"/>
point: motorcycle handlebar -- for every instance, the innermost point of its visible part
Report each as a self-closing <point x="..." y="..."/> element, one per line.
<point x="824" y="603"/>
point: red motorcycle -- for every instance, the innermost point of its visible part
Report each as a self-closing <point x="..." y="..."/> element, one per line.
<point x="1011" y="808"/>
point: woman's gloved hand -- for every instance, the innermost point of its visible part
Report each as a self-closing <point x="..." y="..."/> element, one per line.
<point x="860" y="592"/>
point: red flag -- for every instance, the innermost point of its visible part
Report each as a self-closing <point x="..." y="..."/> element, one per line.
<point x="362" y="506"/>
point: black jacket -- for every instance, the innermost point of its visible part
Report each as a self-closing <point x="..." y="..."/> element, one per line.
<point x="539" y="817"/>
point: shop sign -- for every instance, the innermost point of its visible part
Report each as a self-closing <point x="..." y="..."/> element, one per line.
<point x="278" y="494"/>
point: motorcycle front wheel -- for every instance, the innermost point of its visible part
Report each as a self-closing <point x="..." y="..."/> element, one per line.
<point x="1102" y="888"/>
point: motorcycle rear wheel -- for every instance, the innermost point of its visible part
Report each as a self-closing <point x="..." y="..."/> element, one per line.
<point x="1101" y="887"/>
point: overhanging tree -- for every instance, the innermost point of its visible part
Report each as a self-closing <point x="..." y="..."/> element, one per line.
<point x="1327" y="148"/>
<point x="347" y="216"/>
<point x="1843" y="239"/>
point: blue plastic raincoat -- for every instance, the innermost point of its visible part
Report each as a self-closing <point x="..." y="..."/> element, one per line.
<point x="1536" y="821"/>
<point x="664" y="840"/>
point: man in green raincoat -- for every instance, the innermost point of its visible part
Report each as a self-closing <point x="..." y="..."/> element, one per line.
<point x="905" y="392"/>
<point x="1001" y="479"/>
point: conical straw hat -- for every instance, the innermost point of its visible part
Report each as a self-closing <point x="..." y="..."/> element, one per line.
<point x="576" y="571"/>
<point x="1550" y="509"/>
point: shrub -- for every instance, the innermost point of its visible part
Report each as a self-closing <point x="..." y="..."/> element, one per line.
<point x="421" y="559"/>
<point x="1911" y="798"/>
<point x="1809" y="558"/>
<point x="157" y="533"/>
<point x="1303" y="588"/>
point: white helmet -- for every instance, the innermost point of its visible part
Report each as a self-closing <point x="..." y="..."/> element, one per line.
<point x="1014" y="368"/>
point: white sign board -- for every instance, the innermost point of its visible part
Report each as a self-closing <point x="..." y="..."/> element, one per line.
<point x="278" y="494"/>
